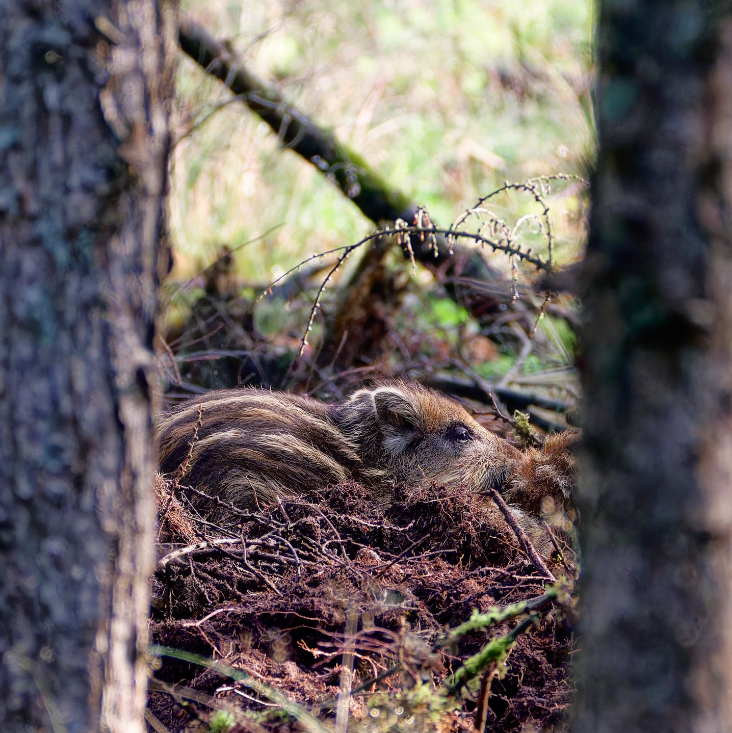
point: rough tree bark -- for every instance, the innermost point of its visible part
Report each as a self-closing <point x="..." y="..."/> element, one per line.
<point x="81" y="201"/>
<point x="656" y="499"/>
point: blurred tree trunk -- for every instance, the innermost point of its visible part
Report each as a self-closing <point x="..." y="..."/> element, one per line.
<point x="656" y="497"/>
<point x="83" y="155"/>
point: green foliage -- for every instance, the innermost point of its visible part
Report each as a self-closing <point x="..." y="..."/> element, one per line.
<point x="416" y="705"/>
<point x="522" y="430"/>
<point x="272" y="316"/>
<point x="493" y="653"/>
<point x="222" y="721"/>
<point x="444" y="99"/>
<point x="559" y="330"/>
<point x="422" y="706"/>
<point x="447" y="313"/>
<point x="503" y="364"/>
<point x="481" y="621"/>
<point x="496" y="368"/>
<point x="418" y="708"/>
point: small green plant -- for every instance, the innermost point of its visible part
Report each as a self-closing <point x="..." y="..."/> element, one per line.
<point x="424" y="706"/>
<point x="448" y="314"/>
<point x="222" y="721"/>
<point x="419" y="708"/>
<point x="522" y="430"/>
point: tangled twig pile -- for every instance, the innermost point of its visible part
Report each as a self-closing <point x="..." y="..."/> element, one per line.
<point x="359" y="612"/>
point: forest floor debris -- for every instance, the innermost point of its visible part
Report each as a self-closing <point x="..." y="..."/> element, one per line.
<point x="418" y="598"/>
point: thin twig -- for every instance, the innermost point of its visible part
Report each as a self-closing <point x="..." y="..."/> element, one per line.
<point x="485" y="386"/>
<point x="344" y="693"/>
<point x="182" y="470"/>
<point x="522" y="537"/>
<point x="154" y="723"/>
<point x="198" y="547"/>
<point x="481" y="708"/>
<point x="401" y="556"/>
<point x="171" y="356"/>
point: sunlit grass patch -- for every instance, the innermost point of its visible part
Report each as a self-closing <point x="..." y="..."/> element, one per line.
<point x="446" y="100"/>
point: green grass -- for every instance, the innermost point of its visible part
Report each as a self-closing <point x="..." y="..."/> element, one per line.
<point x="445" y="98"/>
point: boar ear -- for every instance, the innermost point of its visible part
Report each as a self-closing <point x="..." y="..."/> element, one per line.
<point x="395" y="409"/>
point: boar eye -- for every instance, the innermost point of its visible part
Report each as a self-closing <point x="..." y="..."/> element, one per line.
<point x="459" y="433"/>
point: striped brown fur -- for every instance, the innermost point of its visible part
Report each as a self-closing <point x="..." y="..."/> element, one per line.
<point x="543" y="483"/>
<point x="249" y="446"/>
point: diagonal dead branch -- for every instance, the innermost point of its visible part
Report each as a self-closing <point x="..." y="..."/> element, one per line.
<point x="343" y="167"/>
<point x="521" y="535"/>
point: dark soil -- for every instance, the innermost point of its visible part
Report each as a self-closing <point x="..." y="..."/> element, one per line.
<point x="281" y="593"/>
